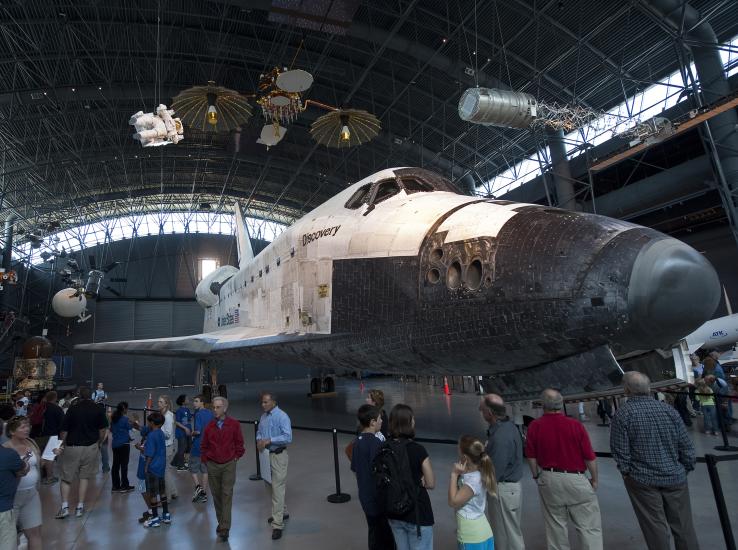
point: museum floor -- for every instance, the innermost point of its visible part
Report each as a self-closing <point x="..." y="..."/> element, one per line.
<point x="317" y="524"/>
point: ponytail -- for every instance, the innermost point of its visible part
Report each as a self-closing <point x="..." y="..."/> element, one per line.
<point x="487" y="469"/>
<point x="474" y="450"/>
<point x="119" y="411"/>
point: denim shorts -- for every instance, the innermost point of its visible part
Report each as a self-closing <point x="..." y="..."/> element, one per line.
<point x="196" y="466"/>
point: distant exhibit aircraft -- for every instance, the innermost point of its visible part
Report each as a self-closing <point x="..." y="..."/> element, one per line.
<point x="399" y="273"/>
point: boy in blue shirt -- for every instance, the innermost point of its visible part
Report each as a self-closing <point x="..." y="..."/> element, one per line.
<point x="182" y="419"/>
<point x="141" y="473"/>
<point x="366" y="447"/>
<point x="202" y="418"/>
<point x="156" y="461"/>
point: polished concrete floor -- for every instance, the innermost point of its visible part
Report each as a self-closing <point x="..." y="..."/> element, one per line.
<point x="317" y="524"/>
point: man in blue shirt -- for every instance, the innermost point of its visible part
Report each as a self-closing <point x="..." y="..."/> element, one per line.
<point x="11" y="468"/>
<point x="201" y="418"/>
<point x="274" y="434"/>
<point x="654" y="454"/>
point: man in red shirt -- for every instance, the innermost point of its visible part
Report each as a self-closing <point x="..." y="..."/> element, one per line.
<point x="220" y="449"/>
<point x="559" y="452"/>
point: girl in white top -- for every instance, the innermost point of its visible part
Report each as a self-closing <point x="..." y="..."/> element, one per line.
<point x="471" y="479"/>
<point x="27" y="504"/>
<point x="165" y="408"/>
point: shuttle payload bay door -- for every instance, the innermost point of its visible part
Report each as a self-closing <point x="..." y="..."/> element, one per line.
<point x="314" y="284"/>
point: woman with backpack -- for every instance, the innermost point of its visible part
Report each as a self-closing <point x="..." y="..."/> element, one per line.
<point x="412" y="529"/>
<point x="471" y="479"/>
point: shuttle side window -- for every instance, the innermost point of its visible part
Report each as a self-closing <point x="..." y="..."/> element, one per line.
<point x="361" y="196"/>
<point x="385" y="190"/>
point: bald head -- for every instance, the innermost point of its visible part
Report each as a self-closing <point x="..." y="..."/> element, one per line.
<point x="492" y="407"/>
<point x="552" y="400"/>
<point x="636" y="383"/>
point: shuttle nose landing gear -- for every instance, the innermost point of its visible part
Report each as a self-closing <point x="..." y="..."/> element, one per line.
<point x="323" y="386"/>
<point x="206" y="381"/>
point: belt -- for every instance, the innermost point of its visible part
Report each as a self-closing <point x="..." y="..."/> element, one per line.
<point x="277" y="450"/>
<point x="559" y="470"/>
<point x="508" y="481"/>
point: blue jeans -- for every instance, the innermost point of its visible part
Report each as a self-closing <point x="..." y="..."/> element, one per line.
<point x="406" y="535"/>
<point x="709" y="415"/>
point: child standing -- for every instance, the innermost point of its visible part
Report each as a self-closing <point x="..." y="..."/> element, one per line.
<point x="182" y="420"/>
<point x="155" y="451"/>
<point x="365" y="449"/>
<point x="706" y="399"/>
<point x="141" y="474"/>
<point x="471" y="479"/>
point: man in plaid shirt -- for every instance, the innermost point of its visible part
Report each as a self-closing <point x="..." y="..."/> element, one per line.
<point x="654" y="454"/>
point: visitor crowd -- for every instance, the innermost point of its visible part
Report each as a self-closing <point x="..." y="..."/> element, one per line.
<point x="651" y="447"/>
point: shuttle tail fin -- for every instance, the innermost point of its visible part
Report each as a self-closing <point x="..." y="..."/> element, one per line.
<point x="245" y="252"/>
<point x="727" y="301"/>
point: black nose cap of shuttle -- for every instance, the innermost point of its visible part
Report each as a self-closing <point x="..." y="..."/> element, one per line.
<point x="673" y="290"/>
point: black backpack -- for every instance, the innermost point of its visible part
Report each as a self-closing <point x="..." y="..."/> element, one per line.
<point x="397" y="491"/>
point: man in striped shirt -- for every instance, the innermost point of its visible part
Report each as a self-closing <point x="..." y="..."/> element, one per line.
<point x="654" y="453"/>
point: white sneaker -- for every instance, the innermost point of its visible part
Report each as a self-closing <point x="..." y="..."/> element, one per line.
<point x="62" y="513"/>
<point x="79" y="512"/>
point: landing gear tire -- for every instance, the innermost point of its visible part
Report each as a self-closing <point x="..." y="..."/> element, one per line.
<point x="223" y="391"/>
<point x="207" y="393"/>
<point x="329" y="384"/>
<point x="315" y="385"/>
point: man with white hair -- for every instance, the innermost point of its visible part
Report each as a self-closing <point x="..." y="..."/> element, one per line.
<point x="220" y="449"/>
<point x="559" y="453"/>
<point x="654" y="453"/>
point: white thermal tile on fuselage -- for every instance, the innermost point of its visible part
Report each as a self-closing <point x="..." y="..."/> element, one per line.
<point x="483" y="219"/>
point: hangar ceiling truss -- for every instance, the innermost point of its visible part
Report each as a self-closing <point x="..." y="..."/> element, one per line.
<point x="72" y="73"/>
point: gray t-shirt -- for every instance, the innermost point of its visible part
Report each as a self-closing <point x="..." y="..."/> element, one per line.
<point x="505" y="448"/>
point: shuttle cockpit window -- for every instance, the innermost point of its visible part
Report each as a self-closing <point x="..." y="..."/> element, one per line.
<point x="413" y="185"/>
<point x="385" y="190"/>
<point x="361" y="196"/>
<point x="415" y="180"/>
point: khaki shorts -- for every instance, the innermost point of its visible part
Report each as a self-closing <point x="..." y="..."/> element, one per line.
<point x="80" y="462"/>
<point x="8" y="534"/>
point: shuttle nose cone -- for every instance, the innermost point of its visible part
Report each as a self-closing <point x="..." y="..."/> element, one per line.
<point x="673" y="290"/>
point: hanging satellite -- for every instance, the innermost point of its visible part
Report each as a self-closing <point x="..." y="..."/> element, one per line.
<point x="212" y="108"/>
<point x="280" y="97"/>
<point x="159" y="128"/>
<point x="345" y="128"/>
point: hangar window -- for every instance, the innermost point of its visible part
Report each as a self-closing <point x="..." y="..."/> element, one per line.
<point x="206" y="266"/>
<point x="360" y="197"/>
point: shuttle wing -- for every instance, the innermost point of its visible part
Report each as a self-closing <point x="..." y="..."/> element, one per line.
<point x="202" y="345"/>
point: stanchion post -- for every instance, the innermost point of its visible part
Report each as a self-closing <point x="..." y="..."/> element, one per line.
<point x="257" y="475"/>
<point x="726" y="446"/>
<point x="717" y="491"/>
<point x="338" y="497"/>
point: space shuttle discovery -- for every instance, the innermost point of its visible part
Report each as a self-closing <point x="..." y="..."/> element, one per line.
<point x="400" y="273"/>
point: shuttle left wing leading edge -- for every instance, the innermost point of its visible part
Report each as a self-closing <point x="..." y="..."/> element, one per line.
<point x="224" y="342"/>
